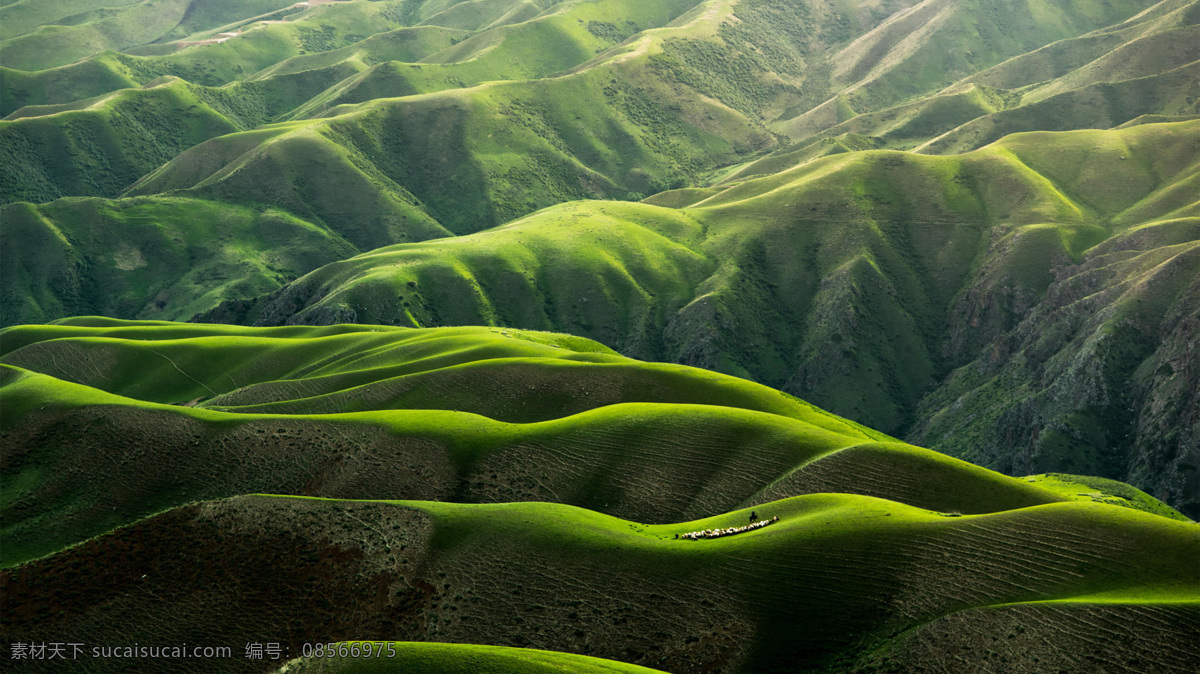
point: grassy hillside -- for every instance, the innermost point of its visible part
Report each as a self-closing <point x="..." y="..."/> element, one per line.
<point x="655" y="96"/>
<point x="100" y="146"/>
<point x="836" y="574"/>
<point x="1120" y="347"/>
<point x="1173" y="93"/>
<point x="289" y="84"/>
<point x="66" y="31"/>
<point x="161" y="257"/>
<point x="1123" y="48"/>
<point x="934" y="44"/>
<point x="697" y="286"/>
<point x="554" y="478"/>
<point x="478" y="158"/>
<point x="885" y="270"/>
<point x="455" y="225"/>
<point x="1141" y="66"/>
<point x="475" y="414"/>
<point x="552" y="42"/>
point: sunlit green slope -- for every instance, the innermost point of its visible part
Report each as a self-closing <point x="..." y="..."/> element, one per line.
<point x="857" y="281"/>
<point x="1141" y="66"/>
<point x="606" y="98"/>
<point x="344" y="62"/>
<point x="42" y="34"/>
<point x="474" y="414"/>
<point x="950" y="254"/>
<point x="161" y="257"/>
<point x="837" y="577"/>
<point x="844" y="204"/>
<point x="553" y="478"/>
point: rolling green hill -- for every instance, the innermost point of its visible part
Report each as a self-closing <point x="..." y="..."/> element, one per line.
<point x="858" y="281"/>
<point x="163" y="257"/>
<point x="683" y="91"/>
<point x="464" y="164"/>
<point x="1172" y="94"/>
<point x="99" y="146"/>
<point x="836" y="574"/>
<point x="496" y="302"/>
<point x="1101" y="79"/>
<point x="184" y="423"/>
<point x="479" y="414"/>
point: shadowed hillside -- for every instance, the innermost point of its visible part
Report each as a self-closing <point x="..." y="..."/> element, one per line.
<point x="859" y="282"/>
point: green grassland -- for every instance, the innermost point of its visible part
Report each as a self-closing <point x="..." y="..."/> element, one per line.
<point x="682" y="92"/>
<point x="475" y="414"/>
<point x="97" y="147"/>
<point x="553" y="42"/>
<point x="100" y="146"/>
<point x="699" y="285"/>
<point x="353" y="59"/>
<point x="884" y="271"/>
<point x="969" y="224"/>
<point x="463" y="165"/>
<point x="917" y="52"/>
<point x="1100" y="489"/>
<point x="476" y="159"/>
<point x="263" y="53"/>
<point x="72" y="34"/>
<point x="902" y="127"/>
<point x="1159" y="32"/>
<point x="47" y="34"/>
<point x="163" y="257"/>
<point x="545" y="480"/>
<point x="836" y="576"/>
<point x="1101" y="79"/>
<point x="1173" y="93"/>
<point x="656" y="133"/>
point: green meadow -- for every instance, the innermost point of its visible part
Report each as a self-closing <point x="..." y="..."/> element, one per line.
<point x="866" y="282"/>
<point x="553" y="476"/>
<point x="434" y="327"/>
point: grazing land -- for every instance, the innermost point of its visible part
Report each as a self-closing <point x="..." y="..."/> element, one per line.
<point x="601" y="335"/>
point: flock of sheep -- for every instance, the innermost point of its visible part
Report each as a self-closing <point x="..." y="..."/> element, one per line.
<point x="717" y="533"/>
